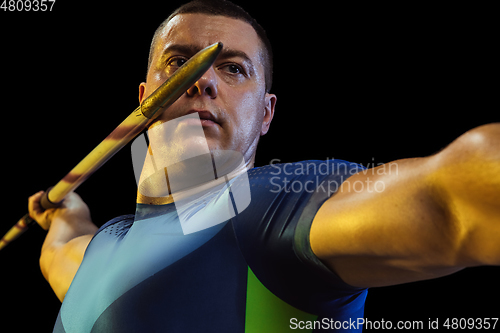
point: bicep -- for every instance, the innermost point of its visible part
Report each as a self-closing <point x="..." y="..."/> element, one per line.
<point x="386" y="226"/>
<point x="64" y="263"/>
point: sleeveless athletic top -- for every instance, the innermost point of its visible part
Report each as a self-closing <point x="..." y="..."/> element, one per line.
<point x="255" y="272"/>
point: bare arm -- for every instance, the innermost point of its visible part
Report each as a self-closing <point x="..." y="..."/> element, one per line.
<point x="70" y="230"/>
<point x="428" y="217"/>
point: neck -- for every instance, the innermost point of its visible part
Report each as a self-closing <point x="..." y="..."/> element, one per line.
<point x="195" y="190"/>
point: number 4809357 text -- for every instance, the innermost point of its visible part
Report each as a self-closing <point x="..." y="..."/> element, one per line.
<point x="27" y="5"/>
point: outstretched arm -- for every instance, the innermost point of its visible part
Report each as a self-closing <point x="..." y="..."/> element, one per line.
<point x="421" y="218"/>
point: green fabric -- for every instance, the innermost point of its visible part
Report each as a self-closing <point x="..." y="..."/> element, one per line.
<point x="266" y="313"/>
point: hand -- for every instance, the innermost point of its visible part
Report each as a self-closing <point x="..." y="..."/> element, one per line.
<point x="70" y="231"/>
<point x="72" y="209"/>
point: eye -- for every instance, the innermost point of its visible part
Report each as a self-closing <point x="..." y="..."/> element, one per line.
<point x="232" y="69"/>
<point x="177" y="61"/>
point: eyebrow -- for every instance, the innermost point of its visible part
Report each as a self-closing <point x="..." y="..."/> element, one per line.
<point x="190" y="50"/>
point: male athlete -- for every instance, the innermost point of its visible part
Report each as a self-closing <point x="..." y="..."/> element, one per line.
<point x="309" y="244"/>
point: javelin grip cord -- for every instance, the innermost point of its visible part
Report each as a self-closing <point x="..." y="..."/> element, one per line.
<point x="150" y="109"/>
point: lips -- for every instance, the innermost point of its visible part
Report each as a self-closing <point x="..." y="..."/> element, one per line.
<point x="206" y="117"/>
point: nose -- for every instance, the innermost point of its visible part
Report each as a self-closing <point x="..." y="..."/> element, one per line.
<point x="205" y="86"/>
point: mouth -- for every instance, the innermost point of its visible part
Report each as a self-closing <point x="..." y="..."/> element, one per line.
<point x="206" y="117"/>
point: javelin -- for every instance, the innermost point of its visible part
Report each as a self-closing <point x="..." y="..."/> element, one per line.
<point x="150" y="109"/>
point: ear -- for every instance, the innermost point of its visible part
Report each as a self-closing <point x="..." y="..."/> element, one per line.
<point x="270" y="103"/>
<point x="142" y="92"/>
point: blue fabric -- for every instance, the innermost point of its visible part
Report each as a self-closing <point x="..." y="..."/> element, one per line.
<point x="274" y="236"/>
<point x="143" y="274"/>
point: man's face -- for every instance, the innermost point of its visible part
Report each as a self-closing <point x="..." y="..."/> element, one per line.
<point x="230" y="98"/>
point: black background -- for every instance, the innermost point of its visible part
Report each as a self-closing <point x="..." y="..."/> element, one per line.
<point x="368" y="84"/>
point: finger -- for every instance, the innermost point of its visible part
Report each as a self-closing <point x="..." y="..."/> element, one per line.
<point x="34" y="206"/>
<point x="41" y="216"/>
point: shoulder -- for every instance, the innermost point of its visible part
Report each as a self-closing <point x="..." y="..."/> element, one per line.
<point x="117" y="224"/>
<point x="304" y="175"/>
<point x="272" y="232"/>
<point x="322" y="167"/>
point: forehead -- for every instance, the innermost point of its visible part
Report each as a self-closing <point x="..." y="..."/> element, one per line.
<point x="203" y="30"/>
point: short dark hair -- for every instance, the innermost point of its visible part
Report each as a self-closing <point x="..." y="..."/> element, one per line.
<point x="228" y="9"/>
